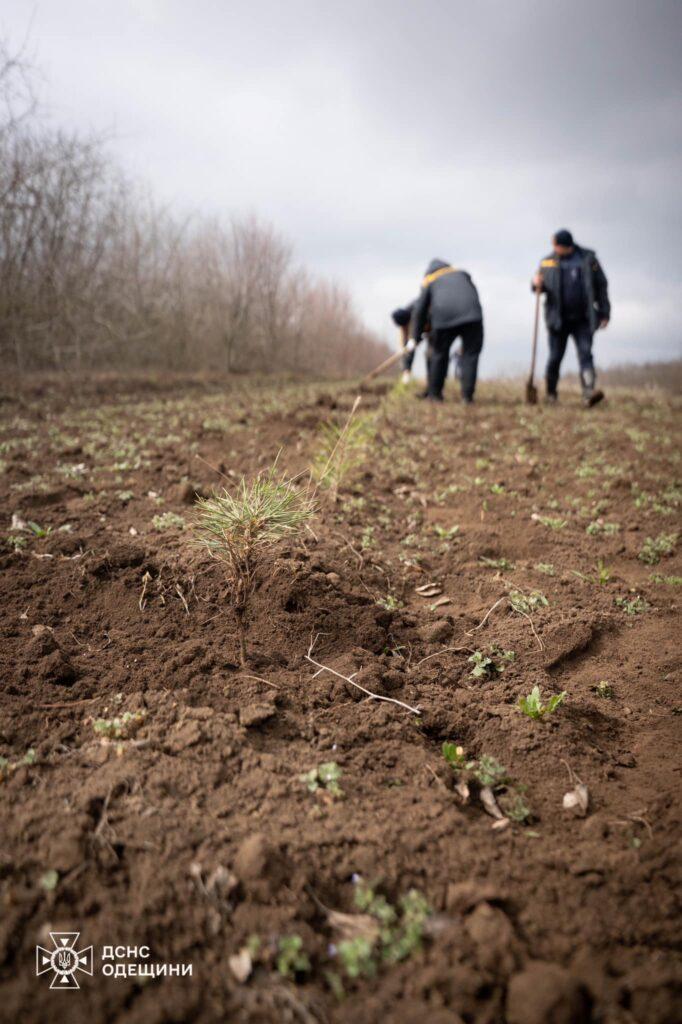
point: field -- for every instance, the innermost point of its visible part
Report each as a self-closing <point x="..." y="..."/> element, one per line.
<point x="156" y="793"/>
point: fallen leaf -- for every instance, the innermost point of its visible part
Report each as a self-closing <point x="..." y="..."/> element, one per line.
<point x="429" y="590"/>
<point x="241" y="965"/>
<point x="354" y="926"/>
<point x="490" y="803"/>
<point x="441" y="600"/>
<point x="577" y="800"/>
<point x="463" y="792"/>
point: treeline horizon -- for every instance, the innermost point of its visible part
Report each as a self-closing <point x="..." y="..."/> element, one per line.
<point x="94" y="274"/>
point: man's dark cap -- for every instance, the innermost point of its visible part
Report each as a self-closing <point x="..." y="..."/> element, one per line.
<point x="563" y="237"/>
<point x="401" y="317"/>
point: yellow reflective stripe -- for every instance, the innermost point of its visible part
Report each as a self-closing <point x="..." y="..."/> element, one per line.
<point x="548" y="263"/>
<point x="436" y="274"/>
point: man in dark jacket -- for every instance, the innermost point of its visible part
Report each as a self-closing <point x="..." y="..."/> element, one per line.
<point x="450" y="302"/>
<point x="576" y="304"/>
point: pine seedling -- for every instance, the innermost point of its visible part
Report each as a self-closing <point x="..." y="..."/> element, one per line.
<point x="240" y="531"/>
<point x="532" y="705"/>
<point x="341" y="450"/>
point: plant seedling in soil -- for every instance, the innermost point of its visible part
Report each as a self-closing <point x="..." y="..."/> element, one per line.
<point x="325" y="776"/>
<point x="168" y="521"/>
<point x="598" y="526"/>
<point x="601" y="577"/>
<point x="400" y="931"/>
<point x="553" y="522"/>
<point x="532" y="705"/>
<point x="604" y="689"/>
<point x="7" y="766"/>
<point x="546" y="568"/>
<point x="654" y="549"/>
<point x="526" y="603"/>
<point x="454" y="755"/>
<point x="240" y="530"/>
<point x="493" y="776"/>
<point x="514" y="806"/>
<point x="632" y="605"/>
<point x="670" y="581"/>
<point x="121" y="728"/>
<point x="291" y="957"/>
<point x="497" y="563"/>
<point x="488" y="771"/>
<point x="446" y="533"/>
<point x="488" y="665"/>
<point x="357" y="957"/>
<point x="341" y="451"/>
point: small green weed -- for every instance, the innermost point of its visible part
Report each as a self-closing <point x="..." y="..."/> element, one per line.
<point x="291" y="957"/>
<point x="546" y="568"/>
<point x="670" y="581"/>
<point x="632" y="605"/>
<point x="121" y="728"/>
<point x="654" y="549"/>
<point x="599" y="528"/>
<point x="168" y="521"/>
<point x="325" y="776"/>
<point x="532" y="705"/>
<point x="488" y="665"/>
<point x="497" y="563"/>
<point x="527" y="603"/>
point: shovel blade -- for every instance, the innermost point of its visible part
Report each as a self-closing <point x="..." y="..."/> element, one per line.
<point x="531" y="394"/>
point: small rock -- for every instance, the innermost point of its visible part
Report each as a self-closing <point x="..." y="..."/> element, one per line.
<point x="626" y="760"/>
<point x="333" y="578"/>
<point x="546" y="993"/>
<point x="255" y="714"/>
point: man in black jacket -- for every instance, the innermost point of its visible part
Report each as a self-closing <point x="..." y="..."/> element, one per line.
<point x="450" y="302"/>
<point x="576" y="304"/>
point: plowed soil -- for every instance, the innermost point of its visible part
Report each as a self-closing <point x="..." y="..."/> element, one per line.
<point x="195" y="833"/>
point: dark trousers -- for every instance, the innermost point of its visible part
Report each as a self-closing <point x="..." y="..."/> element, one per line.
<point x="472" y="343"/>
<point x="582" y="335"/>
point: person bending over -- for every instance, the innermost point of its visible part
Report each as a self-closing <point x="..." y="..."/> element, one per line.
<point x="449" y="301"/>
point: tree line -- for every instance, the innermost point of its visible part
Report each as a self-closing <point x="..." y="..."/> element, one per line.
<point x="94" y="274"/>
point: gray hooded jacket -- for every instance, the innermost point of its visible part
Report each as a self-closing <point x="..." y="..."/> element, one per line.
<point x="448" y="298"/>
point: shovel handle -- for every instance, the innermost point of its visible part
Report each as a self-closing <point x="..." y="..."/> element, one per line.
<point x="386" y="365"/>
<point x="535" y="335"/>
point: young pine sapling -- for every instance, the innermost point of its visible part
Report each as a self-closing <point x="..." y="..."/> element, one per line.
<point x="240" y="531"/>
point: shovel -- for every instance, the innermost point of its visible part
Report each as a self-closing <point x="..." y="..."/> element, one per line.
<point x="386" y="365"/>
<point x="531" y="390"/>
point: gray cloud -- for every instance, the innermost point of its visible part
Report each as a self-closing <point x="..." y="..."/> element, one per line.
<point x="379" y="135"/>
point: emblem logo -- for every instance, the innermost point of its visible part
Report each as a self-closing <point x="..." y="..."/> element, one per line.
<point x="64" y="960"/>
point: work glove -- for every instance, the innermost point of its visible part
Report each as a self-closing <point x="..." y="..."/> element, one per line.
<point x="411" y="345"/>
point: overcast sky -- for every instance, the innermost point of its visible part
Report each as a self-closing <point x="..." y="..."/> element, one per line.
<point x="377" y="134"/>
